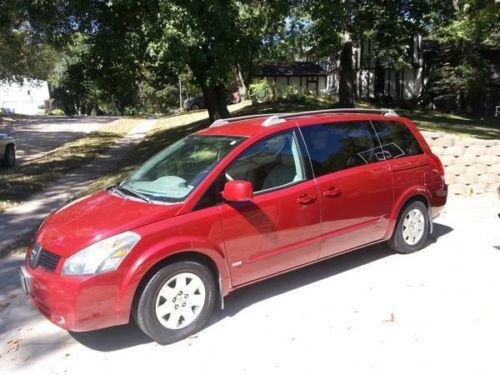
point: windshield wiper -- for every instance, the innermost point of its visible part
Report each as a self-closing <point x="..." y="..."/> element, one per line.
<point x="123" y="192"/>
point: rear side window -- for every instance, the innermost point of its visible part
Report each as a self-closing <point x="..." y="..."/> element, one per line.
<point x="341" y="145"/>
<point x="396" y="139"/>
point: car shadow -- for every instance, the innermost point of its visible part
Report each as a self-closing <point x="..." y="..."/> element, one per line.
<point x="121" y="337"/>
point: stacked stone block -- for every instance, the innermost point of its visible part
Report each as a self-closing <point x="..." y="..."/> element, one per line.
<point x="471" y="166"/>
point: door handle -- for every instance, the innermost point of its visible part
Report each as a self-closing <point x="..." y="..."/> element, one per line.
<point x="306" y="199"/>
<point x="331" y="193"/>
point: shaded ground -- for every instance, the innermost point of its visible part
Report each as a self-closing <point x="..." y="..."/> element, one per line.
<point x="36" y="135"/>
<point x="33" y="175"/>
<point x="367" y="312"/>
<point x="66" y="181"/>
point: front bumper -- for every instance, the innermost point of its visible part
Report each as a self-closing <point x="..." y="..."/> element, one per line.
<point x="76" y="303"/>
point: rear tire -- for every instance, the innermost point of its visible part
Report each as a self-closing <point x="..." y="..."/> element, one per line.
<point x="176" y="302"/>
<point x="412" y="229"/>
<point x="9" y="159"/>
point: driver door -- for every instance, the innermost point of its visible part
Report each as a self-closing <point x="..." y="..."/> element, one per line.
<point x="279" y="228"/>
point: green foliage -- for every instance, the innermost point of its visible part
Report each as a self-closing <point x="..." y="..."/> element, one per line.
<point x="57" y="112"/>
<point x="389" y="24"/>
<point x="261" y="91"/>
<point x="119" y="55"/>
<point x="461" y="75"/>
<point x="126" y="56"/>
<point x="290" y="93"/>
<point x="24" y="53"/>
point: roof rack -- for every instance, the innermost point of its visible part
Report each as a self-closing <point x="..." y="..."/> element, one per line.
<point x="277" y="118"/>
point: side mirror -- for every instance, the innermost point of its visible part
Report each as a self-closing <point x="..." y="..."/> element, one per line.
<point x="237" y="191"/>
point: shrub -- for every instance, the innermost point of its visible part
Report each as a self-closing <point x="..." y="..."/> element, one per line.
<point x="261" y="91"/>
<point x="57" y="112"/>
<point x="291" y="93"/>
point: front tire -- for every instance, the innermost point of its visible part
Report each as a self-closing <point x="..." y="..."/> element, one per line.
<point x="176" y="302"/>
<point x="412" y="229"/>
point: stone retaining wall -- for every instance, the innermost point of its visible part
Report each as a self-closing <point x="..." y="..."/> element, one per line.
<point x="472" y="166"/>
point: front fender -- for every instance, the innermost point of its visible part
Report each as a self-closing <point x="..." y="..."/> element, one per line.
<point x="152" y="254"/>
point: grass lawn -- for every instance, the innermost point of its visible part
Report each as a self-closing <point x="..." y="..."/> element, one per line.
<point x="169" y="129"/>
<point x="166" y="130"/>
<point x="467" y="127"/>
<point x="30" y="177"/>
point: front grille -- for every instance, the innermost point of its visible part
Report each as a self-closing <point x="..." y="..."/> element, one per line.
<point x="48" y="260"/>
<point x="44" y="258"/>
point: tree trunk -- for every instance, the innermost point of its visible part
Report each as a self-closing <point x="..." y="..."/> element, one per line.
<point x="242" y="86"/>
<point x="346" y="77"/>
<point x="397" y="86"/>
<point x="379" y="83"/>
<point x="215" y="101"/>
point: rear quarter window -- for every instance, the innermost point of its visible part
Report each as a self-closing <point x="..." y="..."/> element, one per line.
<point x="341" y="145"/>
<point x="396" y="139"/>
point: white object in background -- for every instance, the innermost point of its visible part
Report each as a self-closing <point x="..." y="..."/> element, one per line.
<point x="27" y="99"/>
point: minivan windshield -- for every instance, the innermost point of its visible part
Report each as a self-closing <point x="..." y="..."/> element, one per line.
<point x="173" y="173"/>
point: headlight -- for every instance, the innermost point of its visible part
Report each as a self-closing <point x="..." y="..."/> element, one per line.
<point x="103" y="256"/>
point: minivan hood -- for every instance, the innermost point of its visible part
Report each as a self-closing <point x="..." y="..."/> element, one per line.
<point x="96" y="217"/>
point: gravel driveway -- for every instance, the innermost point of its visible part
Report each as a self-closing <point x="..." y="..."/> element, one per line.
<point x="37" y="135"/>
<point x="368" y="312"/>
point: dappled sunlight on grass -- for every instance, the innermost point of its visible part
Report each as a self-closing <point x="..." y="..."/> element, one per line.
<point x="166" y="131"/>
<point x="20" y="183"/>
<point x="475" y="127"/>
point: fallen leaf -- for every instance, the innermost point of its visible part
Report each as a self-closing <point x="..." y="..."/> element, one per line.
<point x="13" y="345"/>
<point x="391" y="320"/>
<point x="5" y="305"/>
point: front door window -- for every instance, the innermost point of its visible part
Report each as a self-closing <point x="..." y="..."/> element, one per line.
<point x="273" y="163"/>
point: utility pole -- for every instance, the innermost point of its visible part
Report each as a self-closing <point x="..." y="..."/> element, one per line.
<point x="180" y="93"/>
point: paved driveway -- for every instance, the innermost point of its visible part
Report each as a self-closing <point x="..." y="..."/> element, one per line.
<point x="37" y="135"/>
<point x="367" y="312"/>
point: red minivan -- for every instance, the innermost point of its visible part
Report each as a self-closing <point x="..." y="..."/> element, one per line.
<point x="246" y="199"/>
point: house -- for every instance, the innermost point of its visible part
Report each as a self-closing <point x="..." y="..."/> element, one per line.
<point x="306" y="76"/>
<point x="28" y="98"/>
<point x="322" y="76"/>
<point x="403" y="84"/>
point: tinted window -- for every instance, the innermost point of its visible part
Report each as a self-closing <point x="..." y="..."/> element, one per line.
<point x="269" y="164"/>
<point x="211" y="197"/>
<point x="341" y="145"/>
<point x="396" y="139"/>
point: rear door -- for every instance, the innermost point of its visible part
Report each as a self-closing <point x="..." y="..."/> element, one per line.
<point x="354" y="182"/>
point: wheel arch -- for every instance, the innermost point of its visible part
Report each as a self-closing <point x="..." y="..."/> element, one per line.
<point x="421" y="195"/>
<point x="139" y="275"/>
<point x="187" y="255"/>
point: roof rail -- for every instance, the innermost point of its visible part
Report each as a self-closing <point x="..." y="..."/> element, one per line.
<point x="273" y="120"/>
<point x="383" y="111"/>
<point x="277" y="118"/>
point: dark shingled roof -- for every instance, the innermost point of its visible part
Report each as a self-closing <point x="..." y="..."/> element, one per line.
<point x="295" y="69"/>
